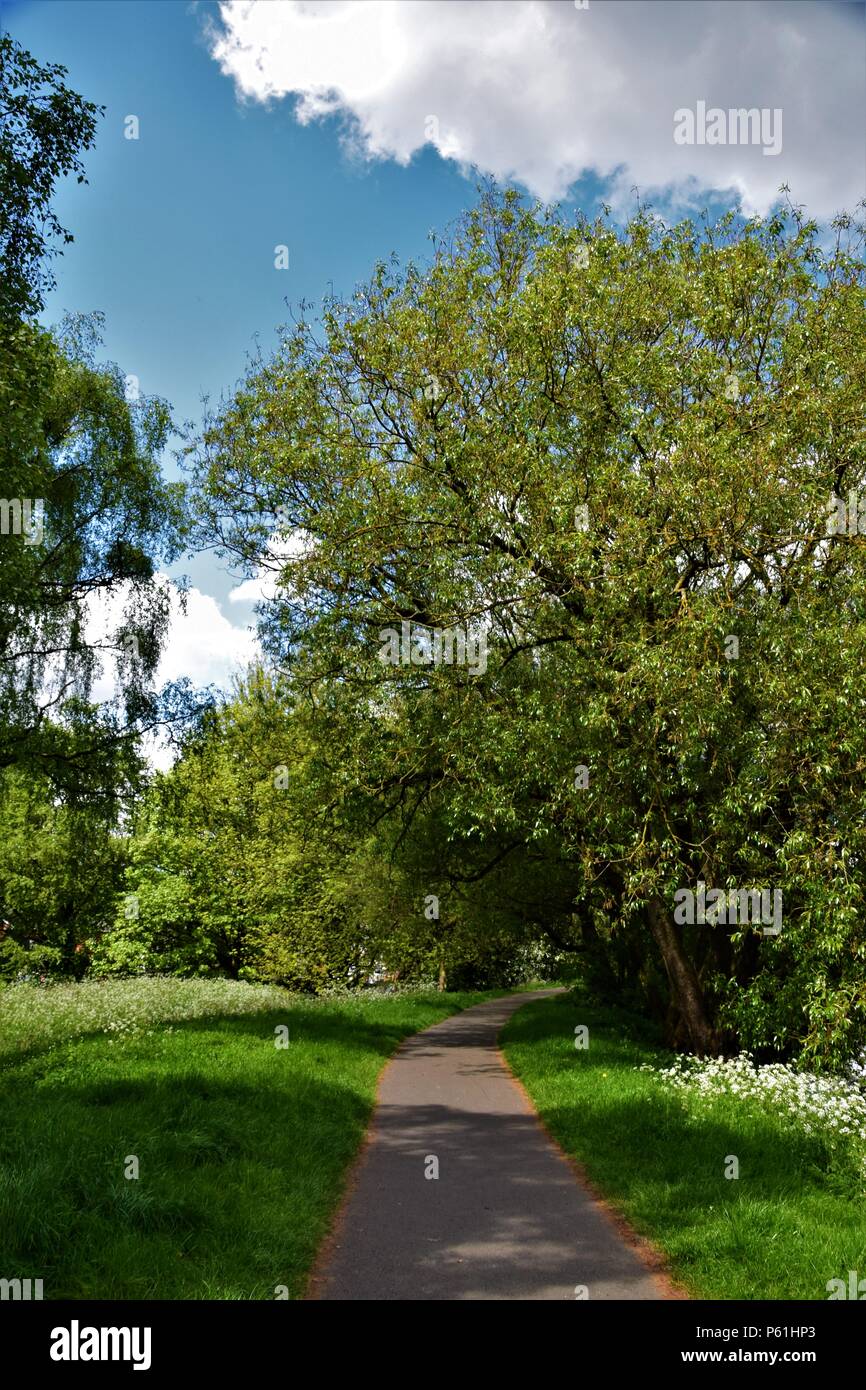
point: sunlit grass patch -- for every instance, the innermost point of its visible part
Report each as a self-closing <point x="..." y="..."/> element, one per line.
<point x="791" y="1221"/>
<point x="241" y="1146"/>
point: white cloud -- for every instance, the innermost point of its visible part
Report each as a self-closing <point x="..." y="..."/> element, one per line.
<point x="274" y="574"/>
<point x="538" y="91"/>
<point x="201" y="643"/>
<point x="261" y="588"/>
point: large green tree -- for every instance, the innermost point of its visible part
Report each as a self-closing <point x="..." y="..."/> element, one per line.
<point x="85" y="518"/>
<point x="613" y="452"/>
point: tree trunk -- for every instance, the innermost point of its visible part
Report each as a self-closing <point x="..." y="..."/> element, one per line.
<point x="441" y="975"/>
<point x="685" y="986"/>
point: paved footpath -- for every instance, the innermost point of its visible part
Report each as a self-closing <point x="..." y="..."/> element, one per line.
<point x="507" y="1218"/>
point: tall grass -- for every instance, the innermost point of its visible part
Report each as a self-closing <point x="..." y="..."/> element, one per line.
<point x="35" y="1015"/>
<point x="241" y="1145"/>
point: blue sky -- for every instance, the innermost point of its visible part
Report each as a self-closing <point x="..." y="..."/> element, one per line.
<point x="347" y="131"/>
<point x="175" y="232"/>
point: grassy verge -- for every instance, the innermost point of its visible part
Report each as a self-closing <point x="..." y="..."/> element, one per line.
<point x="241" y="1145"/>
<point x="788" y="1224"/>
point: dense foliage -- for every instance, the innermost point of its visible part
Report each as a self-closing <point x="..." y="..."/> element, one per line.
<point x="607" y="454"/>
<point x="86" y="518"/>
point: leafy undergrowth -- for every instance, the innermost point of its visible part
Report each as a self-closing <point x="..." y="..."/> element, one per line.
<point x="792" y="1221"/>
<point x="241" y="1146"/>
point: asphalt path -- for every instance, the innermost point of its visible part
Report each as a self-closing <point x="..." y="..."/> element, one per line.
<point x="507" y="1217"/>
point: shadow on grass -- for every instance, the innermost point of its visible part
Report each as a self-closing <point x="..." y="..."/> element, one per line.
<point x="321" y="1017"/>
<point x="774" y="1224"/>
<point x="234" y="1183"/>
<point x="242" y="1150"/>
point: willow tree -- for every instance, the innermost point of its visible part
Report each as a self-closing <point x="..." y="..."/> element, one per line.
<point x="85" y="514"/>
<point x="608" y="453"/>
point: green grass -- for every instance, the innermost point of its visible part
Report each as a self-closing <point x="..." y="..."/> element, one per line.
<point x="242" y="1146"/>
<point x="788" y="1224"/>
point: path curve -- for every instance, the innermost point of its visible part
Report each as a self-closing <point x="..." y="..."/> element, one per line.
<point x="507" y="1217"/>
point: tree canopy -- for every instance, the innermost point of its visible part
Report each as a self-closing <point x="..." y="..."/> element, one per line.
<point x="610" y="455"/>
